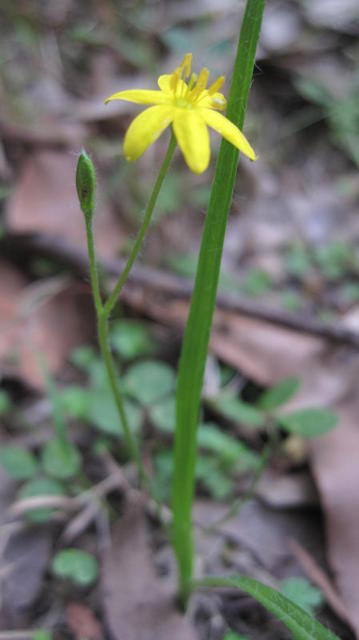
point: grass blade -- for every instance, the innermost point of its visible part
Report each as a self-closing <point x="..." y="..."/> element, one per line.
<point x="196" y="339"/>
<point x="296" y="619"/>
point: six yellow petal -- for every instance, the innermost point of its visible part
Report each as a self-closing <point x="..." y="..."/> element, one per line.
<point x="184" y="100"/>
<point x="140" y="96"/>
<point x="193" y="139"/>
<point x="229" y="131"/>
<point x="145" y="129"/>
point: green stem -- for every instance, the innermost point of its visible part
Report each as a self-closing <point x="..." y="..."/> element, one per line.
<point x="103" y="335"/>
<point x="145" y="224"/>
<point x="196" y="338"/>
<point x="93" y="267"/>
<point x="103" y="310"/>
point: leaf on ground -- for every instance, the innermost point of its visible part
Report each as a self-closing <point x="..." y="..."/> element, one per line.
<point x="149" y="381"/>
<point x="37" y="487"/>
<point x="45" y="202"/>
<point x="334" y="460"/>
<point x="138" y="605"/>
<point x="279" y="394"/>
<point x="82" y="622"/>
<point x="75" y="565"/>
<point x="260" y="349"/>
<point x="18" y="462"/>
<point x="265" y="532"/>
<point x="47" y="318"/>
<point x="62" y="460"/>
<point x="309" y="423"/>
<point x="25" y="561"/>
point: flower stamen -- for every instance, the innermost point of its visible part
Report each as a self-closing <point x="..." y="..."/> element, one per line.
<point x="201" y="84"/>
<point x="216" y="85"/>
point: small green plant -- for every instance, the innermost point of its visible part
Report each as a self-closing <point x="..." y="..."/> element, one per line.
<point x="42" y="635"/>
<point x="184" y="103"/>
<point x="341" y="113"/>
<point x="49" y="472"/>
<point x="77" y="566"/>
<point x="300" y="591"/>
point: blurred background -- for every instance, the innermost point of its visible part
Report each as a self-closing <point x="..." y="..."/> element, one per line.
<point x="288" y="304"/>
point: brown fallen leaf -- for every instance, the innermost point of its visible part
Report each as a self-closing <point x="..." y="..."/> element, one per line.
<point x="260" y="349"/>
<point x="138" y="605"/>
<point x="48" y="318"/>
<point x="24" y="563"/>
<point x="266" y="533"/>
<point x="334" y="460"/>
<point x="45" y="202"/>
<point x="82" y="622"/>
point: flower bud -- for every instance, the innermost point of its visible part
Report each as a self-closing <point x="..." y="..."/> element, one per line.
<point x="86" y="185"/>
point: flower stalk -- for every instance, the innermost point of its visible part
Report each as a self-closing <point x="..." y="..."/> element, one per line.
<point x="86" y="187"/>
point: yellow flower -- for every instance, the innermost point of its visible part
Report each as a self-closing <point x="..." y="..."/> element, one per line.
<point x="189" y="106"/>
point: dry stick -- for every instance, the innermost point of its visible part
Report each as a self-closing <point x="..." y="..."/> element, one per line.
<point x="164" y="283"/>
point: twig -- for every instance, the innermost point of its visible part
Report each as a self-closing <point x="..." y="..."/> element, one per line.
<point x="21" y="246"/>
<point x="321" y="580"/>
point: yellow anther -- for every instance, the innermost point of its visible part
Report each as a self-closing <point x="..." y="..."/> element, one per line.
<point x="216" y="85"/>
<point x="192" y="82"/>
<point x="203" y="79"/>
<point x="201" y="83"/>
<point x="174" y="80"/>
<point x="186" y="64"/>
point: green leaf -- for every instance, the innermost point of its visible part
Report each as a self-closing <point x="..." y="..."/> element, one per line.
<point x="232" y="635"/>
<point x="83" y="357"/>
<point x="256" y="282"/>
<point x="299" y="261"/>
<point x="309" y="423"/>
<point x="131" y="339"/>
<point x="41" y="487"/>
<point x="163" y="416"/>
<point x="298" y="621"/>
<point x="149" y="381"/>
<point x="224" y="446"/>
<point x="302" y="593"/>
<point x="75" y="565"/>
<point x="313" y="90"/>
<point x="196" y="339"/>
<point x="61" y="459"/>
<point x="18" y="463"/>
<point x="235" y="409"/>
<point x="5" y="402"/>
<point x="42" y="635"/>
<point x="74" y="401"/>
<point x="278" y="394"/>
<point x="103" y="414"/>
<point x="335" y="259"/>
<point x="217" y="483"/>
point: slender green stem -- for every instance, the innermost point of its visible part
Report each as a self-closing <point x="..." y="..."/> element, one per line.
<point x="93" y="267"/>
<point x="103" y="335"/>
<point x="196" y="339"/>
<point x="103" y="310"/>
<point x="145" y="224"/>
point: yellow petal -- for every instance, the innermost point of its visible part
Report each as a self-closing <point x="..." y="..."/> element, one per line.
<point x="214" y="101"/>
<point x="192" y="136"/>
<point x="229" y="131"/>
<point x="140" y="96"/>
<point x="164" y="83"/>
<point x="145" y="129"/>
